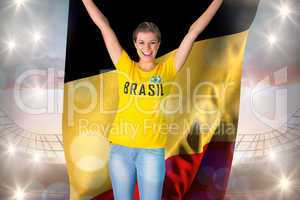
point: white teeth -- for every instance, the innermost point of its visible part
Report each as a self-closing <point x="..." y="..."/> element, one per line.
<point x="147" y="54"/>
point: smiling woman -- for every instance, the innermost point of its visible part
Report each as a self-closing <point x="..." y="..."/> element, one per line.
<point x="146" y="38"/>
<point x="145" y="78"/>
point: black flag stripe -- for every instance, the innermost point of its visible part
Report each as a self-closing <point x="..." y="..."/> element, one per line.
<point x="86" y="54"/>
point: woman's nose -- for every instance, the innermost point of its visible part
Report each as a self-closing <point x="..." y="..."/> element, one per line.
<point x="147" y="47"/>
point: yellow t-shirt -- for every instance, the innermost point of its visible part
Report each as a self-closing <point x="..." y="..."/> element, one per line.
<point x="139" y="121"/>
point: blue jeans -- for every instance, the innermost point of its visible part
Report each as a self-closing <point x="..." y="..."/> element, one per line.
<point x="128" y="165"/>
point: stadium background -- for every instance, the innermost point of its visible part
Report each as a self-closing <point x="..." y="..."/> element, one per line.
<point x="33" y="40"/>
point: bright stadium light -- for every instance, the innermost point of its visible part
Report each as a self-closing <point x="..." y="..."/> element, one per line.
<point x="11" y="45"/>
<point x="19" y="3"/>
<point x="36" y="36"/>
<point x="36" y="158"/>
<point x="284" y="10"/>
<point x="19" y="194"/>
<point x="272" y="39"/>
<point x="272" y="156"/>
<point x="11" y="149"/>
<point x="284" y="184"/>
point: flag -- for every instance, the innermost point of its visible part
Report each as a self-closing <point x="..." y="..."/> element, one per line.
<point x="204" y="108"/>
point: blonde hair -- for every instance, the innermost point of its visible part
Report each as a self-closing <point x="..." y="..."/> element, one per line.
<point x="147" y="27"/>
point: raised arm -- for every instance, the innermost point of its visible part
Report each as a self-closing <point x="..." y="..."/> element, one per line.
<point x="110" y="39"/>
<point x="195" y="29"/>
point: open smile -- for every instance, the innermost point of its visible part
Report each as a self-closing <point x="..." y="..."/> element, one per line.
<point x="146" y="54"/>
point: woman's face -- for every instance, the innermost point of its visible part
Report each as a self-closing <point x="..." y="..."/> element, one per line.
<point x="146" y="45"/>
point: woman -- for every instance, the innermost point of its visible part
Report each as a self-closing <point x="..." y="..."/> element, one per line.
<point x="138" y="136"/>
